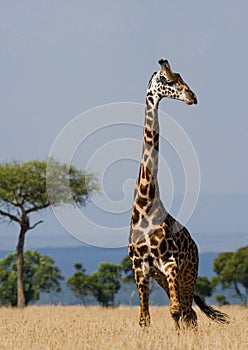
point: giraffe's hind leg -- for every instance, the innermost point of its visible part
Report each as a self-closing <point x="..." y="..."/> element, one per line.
<point x="171" y="286"/>
<point x="189" y="317"/>
<point x="142" y="283"/>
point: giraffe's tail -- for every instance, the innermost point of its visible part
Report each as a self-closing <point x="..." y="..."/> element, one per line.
<point x="210" y="312"/>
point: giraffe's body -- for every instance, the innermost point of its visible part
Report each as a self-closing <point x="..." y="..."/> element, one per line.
<point x="159" y="246"/>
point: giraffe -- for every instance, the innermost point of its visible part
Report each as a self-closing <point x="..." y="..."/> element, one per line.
<point x="159" y="246"/>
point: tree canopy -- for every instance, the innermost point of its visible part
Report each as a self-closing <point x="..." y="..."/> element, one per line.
<point x="24" y="190"/>
<point x="102" y="284"/>
<point x="127" y="270"/>
<point x="105" y="283"/>
<point x="23" y="186"/>
<point x="40" y="275"/>
<point x="203" y="287"/>
<point x="232" y="272"/>
<point x="79" y="283"/>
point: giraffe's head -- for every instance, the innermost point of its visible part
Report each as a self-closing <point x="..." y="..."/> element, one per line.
<point x="166" y="83"/>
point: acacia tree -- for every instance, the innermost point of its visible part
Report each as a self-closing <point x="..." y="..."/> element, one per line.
<point x="40" y="275"/>
<point x="79" y="283"/>
<point x="23" y="191"/>
<point x="232" y="272"/>
<point x="102" y="284"/>
<point x="105" y="283"/>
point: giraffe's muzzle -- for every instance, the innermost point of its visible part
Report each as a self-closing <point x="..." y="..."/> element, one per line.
<point x="191" y="98"/>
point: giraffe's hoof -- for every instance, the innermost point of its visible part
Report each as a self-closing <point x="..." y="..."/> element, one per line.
<point x="145" y="322"/>
<point x="175" y="315"/>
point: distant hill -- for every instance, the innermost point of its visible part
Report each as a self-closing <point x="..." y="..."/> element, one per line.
<point x="65" y="258"/>
<point x="90" y="257"/>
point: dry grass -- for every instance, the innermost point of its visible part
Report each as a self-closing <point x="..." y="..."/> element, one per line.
<point x="77" y="327"/>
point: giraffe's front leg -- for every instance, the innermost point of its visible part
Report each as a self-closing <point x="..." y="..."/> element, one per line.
<point x="142" y="283"/>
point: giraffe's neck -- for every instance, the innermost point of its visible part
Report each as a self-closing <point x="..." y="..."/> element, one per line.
<point x="147" y="189"/>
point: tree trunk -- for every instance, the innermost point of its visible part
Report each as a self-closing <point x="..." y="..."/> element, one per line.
<point x="239" y="294"/>
<point x="21" y="302"/>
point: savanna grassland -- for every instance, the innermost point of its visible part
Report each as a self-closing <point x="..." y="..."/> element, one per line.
<point x="78" y="327"/>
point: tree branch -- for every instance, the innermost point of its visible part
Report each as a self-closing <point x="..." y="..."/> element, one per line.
<point x="10" y="216"/>
<point x="36" y="224"/>
<point x="37" y="208"/>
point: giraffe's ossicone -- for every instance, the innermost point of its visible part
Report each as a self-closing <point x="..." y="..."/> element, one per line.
<point x="159" y="246"/>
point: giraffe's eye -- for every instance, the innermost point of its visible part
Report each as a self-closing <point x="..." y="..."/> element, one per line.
<point x="163" y="79"/>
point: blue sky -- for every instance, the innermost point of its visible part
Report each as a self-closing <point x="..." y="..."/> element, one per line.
<point x="60" y="59"/>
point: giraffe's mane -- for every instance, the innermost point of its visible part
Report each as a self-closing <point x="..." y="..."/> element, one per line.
<point x="150" y="81"/>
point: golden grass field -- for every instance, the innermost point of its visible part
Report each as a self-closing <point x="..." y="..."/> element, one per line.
<point x="78" y="327"/>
